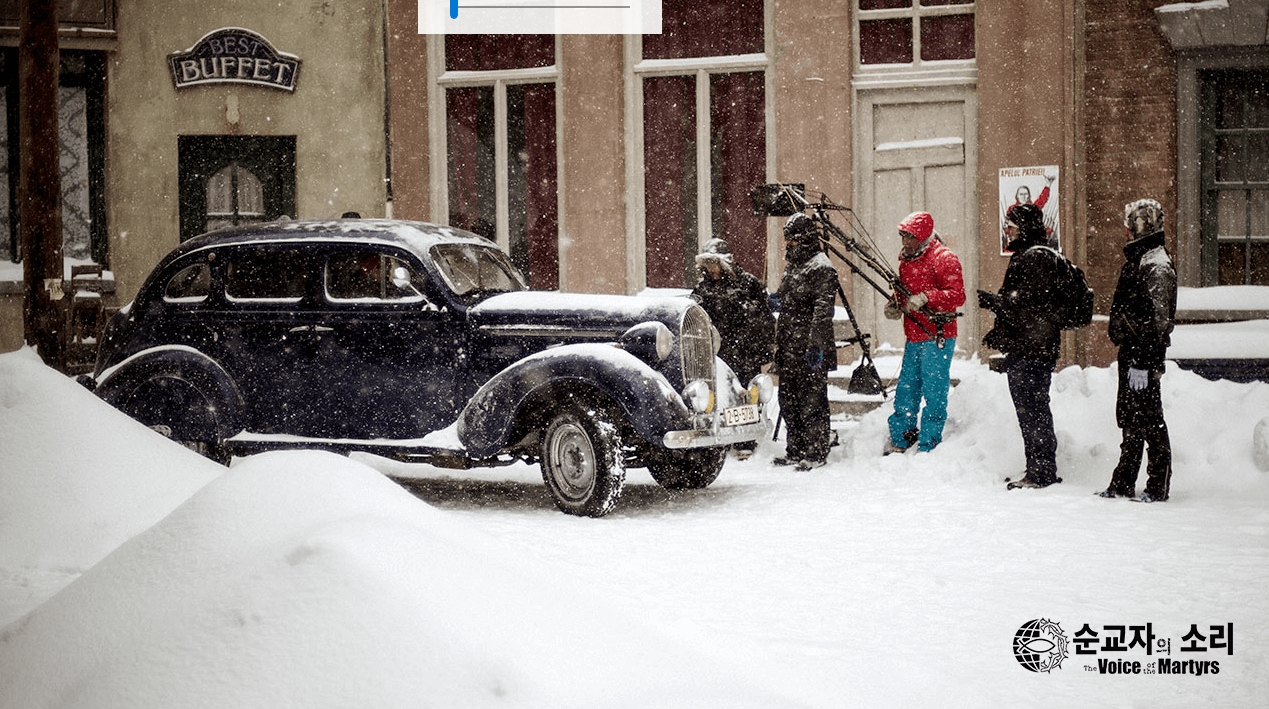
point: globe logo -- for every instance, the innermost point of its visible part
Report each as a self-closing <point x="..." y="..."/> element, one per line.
<point x="1040" y="645"/>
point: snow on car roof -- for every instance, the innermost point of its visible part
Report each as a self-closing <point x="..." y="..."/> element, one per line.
<point x="416" y="236"/>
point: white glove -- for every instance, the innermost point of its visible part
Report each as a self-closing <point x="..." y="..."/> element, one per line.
<point x="1137" y="379"/>
<point x="916" y="301"/>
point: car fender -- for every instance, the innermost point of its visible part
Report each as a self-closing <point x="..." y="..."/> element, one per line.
<point x="644" y="396"/>
<point x="179" y="362"/>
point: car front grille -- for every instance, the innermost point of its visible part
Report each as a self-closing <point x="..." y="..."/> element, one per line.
<point x="697" y="346"/>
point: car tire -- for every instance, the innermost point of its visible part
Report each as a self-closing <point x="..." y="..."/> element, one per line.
<point x="582" y="462"/>
<point x="167" y="402"/>
<point x="686" y="469"/>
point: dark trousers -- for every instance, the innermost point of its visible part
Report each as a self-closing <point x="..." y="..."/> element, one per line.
<point x="1140" y="417"/>
<point x="1029" y="382"/>
<point x="804" y="406"/>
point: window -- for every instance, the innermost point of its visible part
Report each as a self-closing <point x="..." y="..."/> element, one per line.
<point x="234" y="196"/>
<point x="912" y="32"/>
<point x="703" y="84"/>
<point x="234" y="179"/>
<point x="1235" y="177"/>
<point x="276" y="275"/>
<point x="500" y="146"/>
<point x="81" y="132"/>
<point x="191" y="284"/>
<point x="473" y="270"/>
<point x="370" y="276"/>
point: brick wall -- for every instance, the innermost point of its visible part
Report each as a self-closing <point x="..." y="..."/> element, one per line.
<point x="1129" y="128"/>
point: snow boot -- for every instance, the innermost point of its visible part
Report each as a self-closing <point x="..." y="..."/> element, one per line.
<point x="810" y="464"/>
<point x="1030" y="483"/>
<point x="1112" y="492"/>
<point x="892" y="448"/>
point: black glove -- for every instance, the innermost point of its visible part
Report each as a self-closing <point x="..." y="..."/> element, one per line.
<point x="989" y="301"/>
<point x="816" y="361"/>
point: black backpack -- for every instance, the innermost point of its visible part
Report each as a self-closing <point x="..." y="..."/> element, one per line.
<point x="1073" y="298"/>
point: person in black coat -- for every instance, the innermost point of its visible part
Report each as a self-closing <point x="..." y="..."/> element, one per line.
<point x="738" y="306"/>
<point x="1141" y="317"/>
<point x="805" y="347"/>
<point x="1027" y="333"/>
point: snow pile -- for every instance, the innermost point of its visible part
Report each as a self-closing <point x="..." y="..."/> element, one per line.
<point x="1244" y="339"/>
<point x="293" y="579"/>
<point x="78" y="479"/>
<point x="1226" y="298"/>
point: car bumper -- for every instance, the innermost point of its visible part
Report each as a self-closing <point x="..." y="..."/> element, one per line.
<point x="717" y="435"/>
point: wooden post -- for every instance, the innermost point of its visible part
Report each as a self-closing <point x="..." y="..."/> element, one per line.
<point x="40" y="184"/>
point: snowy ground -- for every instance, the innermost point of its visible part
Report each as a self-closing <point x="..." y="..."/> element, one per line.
<point x="133" y="573"/>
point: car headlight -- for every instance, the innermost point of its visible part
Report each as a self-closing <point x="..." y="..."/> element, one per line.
<point x="761" y="389"/>
<point x="699" y="396"/>
<point x="650" y="341"/>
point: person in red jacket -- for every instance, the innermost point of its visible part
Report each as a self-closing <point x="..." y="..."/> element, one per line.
<point x="931" y="275"/>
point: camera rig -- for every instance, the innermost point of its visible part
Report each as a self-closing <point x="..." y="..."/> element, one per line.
<point x="860" y="254"/>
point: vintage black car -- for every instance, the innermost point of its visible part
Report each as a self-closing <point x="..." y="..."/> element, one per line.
<point x="422" y="343"/>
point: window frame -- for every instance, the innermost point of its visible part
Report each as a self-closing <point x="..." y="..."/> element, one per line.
<point x="82" y="69"/>
<point x="440" y="81"/>
<point x="918" y="69"/>
<point x="1210" y="188"/>
<point x="1193" y="267"/>
<point x="700" y="69"/>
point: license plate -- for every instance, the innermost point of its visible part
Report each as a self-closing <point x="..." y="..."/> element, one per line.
<point x="738" y="415"/>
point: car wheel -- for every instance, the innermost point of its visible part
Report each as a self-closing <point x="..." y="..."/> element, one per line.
<point x="582" y="463"/>
<point x="178" y="410"/>
<point x="686" y="469"/>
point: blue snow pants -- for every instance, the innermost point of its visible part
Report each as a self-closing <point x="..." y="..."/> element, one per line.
<point x="926" y="374"/>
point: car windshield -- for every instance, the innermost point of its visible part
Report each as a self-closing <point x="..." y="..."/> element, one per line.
<point x="470" y="269"/>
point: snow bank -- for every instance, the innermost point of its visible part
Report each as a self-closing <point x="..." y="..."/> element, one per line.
<point x="306" y="579"/>
<point x="79" y="479"/>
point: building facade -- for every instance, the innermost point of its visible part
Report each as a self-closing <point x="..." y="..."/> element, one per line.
<point x="179" y="117"/>
<point x="603" y="162"/>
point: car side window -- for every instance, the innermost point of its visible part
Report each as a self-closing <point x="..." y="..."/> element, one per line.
<point x="370" y="276"/>
<point x="274" y="275"/>
<point x="191" y="284"/>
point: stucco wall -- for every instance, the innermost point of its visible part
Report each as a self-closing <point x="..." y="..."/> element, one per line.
<point x="336" y="114"/>
<point x="593" y="157"/>
<point x="813" y="103"/>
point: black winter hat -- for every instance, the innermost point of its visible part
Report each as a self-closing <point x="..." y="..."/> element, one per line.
<point x="798" y="225"/>
<point x="1029" y="219"/>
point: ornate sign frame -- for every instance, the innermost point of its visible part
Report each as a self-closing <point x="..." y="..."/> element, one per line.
<point x="233" y="55"/>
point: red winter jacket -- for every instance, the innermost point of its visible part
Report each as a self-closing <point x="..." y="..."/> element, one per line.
<point x="936" y="272"/>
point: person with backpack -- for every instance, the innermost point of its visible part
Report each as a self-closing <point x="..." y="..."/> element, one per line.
<point x="1141" y="318"/>
<point x="933" y="285"/>
<point x="1032" y="307"/>
<point x="740" y="310"/>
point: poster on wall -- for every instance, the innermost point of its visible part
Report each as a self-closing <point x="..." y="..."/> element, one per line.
<point x="1037" y="185"/>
